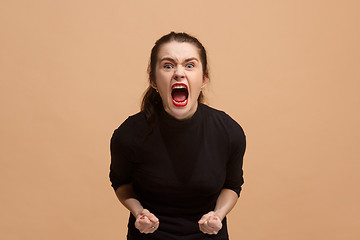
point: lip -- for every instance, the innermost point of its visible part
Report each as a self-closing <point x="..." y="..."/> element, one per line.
<point x="177" y="104"/>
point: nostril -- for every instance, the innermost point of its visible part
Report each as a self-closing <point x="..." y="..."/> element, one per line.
<point x="177" y="76"/>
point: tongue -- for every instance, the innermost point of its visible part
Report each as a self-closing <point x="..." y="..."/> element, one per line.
<point x="179" y="96"/>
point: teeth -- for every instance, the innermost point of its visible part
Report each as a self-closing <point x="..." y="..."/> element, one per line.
<point x="179" y="86"/>
<point x="181" y="102"/>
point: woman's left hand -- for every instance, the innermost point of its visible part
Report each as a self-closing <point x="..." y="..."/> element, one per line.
<point x="210" y="223"/>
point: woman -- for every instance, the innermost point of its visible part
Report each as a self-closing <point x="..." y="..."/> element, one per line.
<point x="177" y="164"/>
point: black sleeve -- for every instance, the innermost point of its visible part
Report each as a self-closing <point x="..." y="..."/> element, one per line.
<point x="122" y="164"/>
<point x="234" y="173"/>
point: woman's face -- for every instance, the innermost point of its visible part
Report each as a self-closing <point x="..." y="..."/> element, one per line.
<point x="179" y="78"/>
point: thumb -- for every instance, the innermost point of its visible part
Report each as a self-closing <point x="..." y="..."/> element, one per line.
<point x="205" y="218"/>
<point x="201" y="221"/>
<point x="152" y="217"/>
<point x="213" y="221"/>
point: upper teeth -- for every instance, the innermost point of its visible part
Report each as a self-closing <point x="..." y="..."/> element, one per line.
<point x="179" y="86"/>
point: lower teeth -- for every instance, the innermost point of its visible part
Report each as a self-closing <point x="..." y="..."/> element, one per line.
<point x="181" y="102"/>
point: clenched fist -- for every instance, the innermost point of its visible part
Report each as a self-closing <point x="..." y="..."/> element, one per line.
<point x="146" y="222"/>
<point x="210" y="223"/>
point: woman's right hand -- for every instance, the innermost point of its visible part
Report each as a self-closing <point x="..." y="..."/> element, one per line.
<point x="146" y="222"/>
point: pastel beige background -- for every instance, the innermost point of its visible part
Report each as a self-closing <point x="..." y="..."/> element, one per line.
<point x="288" y="71"/>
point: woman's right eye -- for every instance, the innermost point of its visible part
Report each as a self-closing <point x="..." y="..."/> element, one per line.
<point x="168" y="66"/>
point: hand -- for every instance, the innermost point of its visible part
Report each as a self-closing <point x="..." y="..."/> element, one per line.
<point x="210" y="223"/>
<point x="146" y="222"/>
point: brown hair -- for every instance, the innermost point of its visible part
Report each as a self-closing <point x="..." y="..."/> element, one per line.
<point x="151" y="102"/>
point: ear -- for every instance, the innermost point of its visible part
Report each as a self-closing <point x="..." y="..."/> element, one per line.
<point x="153" y="84"/>
<point x="205" y="80"/>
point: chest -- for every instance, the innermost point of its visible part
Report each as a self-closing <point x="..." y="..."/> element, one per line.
<point x="188" y="161"/>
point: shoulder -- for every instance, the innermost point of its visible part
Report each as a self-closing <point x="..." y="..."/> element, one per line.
<point x="222" y="120"/>
<point x="132" y="127"/>
<point x="221" y="117"/>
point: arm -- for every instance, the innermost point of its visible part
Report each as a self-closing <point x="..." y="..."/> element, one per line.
<point x="210" y="223"/>
<point x="125" y="194"/>
<point x="146" y="222"/>
<point x="225" y="202"/>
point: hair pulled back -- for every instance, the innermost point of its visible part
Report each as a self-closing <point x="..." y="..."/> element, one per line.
<point x="151" y="103"/>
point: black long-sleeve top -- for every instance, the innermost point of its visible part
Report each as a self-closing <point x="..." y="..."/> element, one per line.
<point x="179" y="169"/>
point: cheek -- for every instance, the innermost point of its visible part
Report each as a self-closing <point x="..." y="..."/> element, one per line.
<point x="161" y="80"/>
<point x="198" y="83"/>
<point x="163" y="85"/>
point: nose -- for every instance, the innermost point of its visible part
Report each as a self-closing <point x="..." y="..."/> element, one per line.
<point x="179" y="75"/>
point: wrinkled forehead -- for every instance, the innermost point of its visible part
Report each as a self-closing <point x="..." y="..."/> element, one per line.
<point x="178" y="51"/>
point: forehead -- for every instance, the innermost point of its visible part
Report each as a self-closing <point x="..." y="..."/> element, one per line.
<point x="178" y="50"/>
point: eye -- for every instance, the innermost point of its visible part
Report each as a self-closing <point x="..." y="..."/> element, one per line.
<point x="189" y="65"/>
<point x="168" y="66"/>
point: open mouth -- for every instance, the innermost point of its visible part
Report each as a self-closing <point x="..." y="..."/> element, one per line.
<point x="179" y="94"/>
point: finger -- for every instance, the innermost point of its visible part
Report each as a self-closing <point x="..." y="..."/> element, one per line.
<point x="204" y="226"/>
<point x="205" y="217"/>
<point x="214" y="222"/>
<point x="203" y="220"/>
<point x="149" y="215"/>
<point x="147" y="222"/>
<point x="144" y="219"/>
<point x="206" y="230"/>
<point x="151" y="228"/>
<point x="152" y="217"/>
<point x="211" y="228"/>
<point x="143" y="223"/>
<point x="154" y="227"/>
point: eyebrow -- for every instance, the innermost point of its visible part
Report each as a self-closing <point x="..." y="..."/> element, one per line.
<point x="191" y="59"/>
<point x="172" y="60"/>
<point x="167" y="59"/>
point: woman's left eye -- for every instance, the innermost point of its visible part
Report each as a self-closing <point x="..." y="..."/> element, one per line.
<point x="190" y="65"/>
